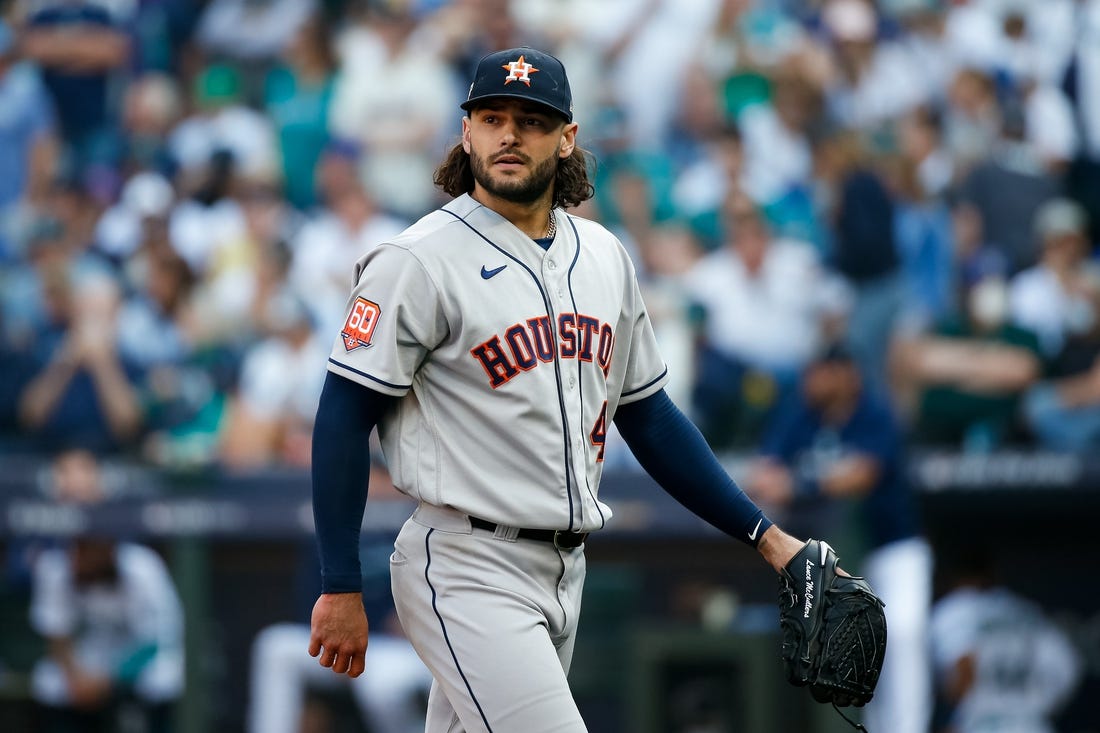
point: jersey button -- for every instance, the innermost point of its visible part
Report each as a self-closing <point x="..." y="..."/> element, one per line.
<point x="552" y="265"/>
<point x="572" y="382"/>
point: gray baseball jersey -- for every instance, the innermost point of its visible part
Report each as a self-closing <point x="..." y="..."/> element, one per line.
<point x="511" y="360"/>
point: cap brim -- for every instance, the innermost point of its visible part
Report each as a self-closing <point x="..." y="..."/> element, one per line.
<point x="469" y="103"/>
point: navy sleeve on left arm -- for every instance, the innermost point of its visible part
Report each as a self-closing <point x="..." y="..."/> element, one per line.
<point x="673" y="451"/>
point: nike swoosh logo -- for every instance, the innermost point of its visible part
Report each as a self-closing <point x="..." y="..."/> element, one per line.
<point x="486" y="274"/>
<point x="752" y="534"/>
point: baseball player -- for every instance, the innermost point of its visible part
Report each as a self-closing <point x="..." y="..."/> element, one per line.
<point x="492" y="342"/>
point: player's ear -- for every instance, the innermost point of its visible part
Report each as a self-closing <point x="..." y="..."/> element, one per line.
<point x="568" y="140"/>
<point x="466" y="134"/>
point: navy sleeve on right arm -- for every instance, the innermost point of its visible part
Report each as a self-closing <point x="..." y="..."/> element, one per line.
<point x="346" y="414"/>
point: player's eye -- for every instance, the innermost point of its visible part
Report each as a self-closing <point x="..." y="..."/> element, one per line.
<point x="533" y="122"/>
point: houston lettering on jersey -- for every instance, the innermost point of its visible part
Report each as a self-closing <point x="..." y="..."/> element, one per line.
<point x="523" y="346"/>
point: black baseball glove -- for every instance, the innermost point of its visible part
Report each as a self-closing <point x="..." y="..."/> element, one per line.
<point x="833" y="628"/>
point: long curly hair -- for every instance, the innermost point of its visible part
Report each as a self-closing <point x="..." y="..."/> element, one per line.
<point x="455" y="175"/>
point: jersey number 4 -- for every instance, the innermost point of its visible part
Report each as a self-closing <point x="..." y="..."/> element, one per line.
<point x="598" y="436"/>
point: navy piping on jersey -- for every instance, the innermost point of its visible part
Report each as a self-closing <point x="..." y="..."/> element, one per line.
<point x="580" y="380"/>
<point x="561" y="577"/>
<point x="557" y="360"/>
<point x="367" y="376"/>
<point x="443" y="627"/>
<point x="647" y="385"/>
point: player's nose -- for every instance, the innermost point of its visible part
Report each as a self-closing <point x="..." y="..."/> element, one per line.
<point x="509" y="134"/>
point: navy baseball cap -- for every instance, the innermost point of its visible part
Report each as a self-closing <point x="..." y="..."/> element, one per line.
<point x="522" y="73"/>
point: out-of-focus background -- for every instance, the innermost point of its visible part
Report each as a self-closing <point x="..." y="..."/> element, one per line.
<point x="866" y="233"/>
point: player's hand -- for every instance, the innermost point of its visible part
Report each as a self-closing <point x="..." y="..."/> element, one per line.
<point x="338" y="632"/>
<point x="778" y="547"/>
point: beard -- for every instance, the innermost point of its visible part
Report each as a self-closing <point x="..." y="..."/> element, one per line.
<point x="518" y="191"/>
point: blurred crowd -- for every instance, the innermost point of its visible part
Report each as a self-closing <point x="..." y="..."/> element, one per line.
<point x="185" y="186"/>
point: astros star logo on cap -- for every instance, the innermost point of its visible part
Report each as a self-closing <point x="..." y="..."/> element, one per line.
<point x="519" y="71"/>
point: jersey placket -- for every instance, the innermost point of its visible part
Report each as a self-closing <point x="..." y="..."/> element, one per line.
<point x="554" y="272"/>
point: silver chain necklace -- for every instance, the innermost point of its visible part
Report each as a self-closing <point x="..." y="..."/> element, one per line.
<point x="552" y="228"/>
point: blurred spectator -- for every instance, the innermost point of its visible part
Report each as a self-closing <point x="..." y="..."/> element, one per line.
<point x="297" y="96"/>
<point x="76" y="476"/>
<point x="836" y="441"/>
<point x="112" y="619"/>
<point x="859" y="210"/>
<point x="153" y="328"/>
<point x="923" y="228"/>
<point x="270" y="417"/>
<point x="754" y="35"/>
<point x="223" y="131"/>
<point x="963" y="379"/>
<point x="1052" y="28"/>
<point x="925" y="40"/>
<point x="989" y="35"/>
<point x="82" y="391"/>
<point x="152" y="107"/>
<point x="874" y="80"/>
<point x="27" y="143"/>
<point x="648" y="48"/>
<point x="998" y="199"/>
<point x="324" y="251"/>
<point x="699" y="116"/>
<point x="663" y="260"/>
<point x="1048" y="117"/>
<point x="1001" y="663"/>
<point x="25" y="296"/>
<point x="1058" y="298"/>
<point x="249" y="35"/>
<point x="394" y="99"/>
<point x="636" y="196"/>
<point x="145" y="202"/>
<point x="700" y="188"/>
<point x="198" y="226"/>
<point x="1077" y="29"/>
<point x="777" y="145"/>
<point x="1063" y="412"/>
<point x="244" y="268"/>
<point x="57" y="234"/>
<point x="82" y="52"/>
<point x="1017" y="56"/>
<point x="921" y="145"/>
<point x="114" y="625"/>
<point x="182" y="385"/>
<point x="765" y="307"/>
<point x="245" y="29"/>
<point x="161" y="32"/>
<point x="1028" y="74"/>
<point x="972" y="118"/>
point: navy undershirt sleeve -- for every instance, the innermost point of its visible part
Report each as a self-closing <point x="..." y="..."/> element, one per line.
<point x="346" y="414"/>
<point x="673" y="451"/>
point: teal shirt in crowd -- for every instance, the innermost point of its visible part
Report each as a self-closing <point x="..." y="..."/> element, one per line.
<point x="300" y="114"/>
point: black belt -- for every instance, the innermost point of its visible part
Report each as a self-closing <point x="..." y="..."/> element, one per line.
<point x="562" y="539"/>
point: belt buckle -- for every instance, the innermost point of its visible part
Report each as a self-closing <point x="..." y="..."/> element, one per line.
<point x="575" y="539"/>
